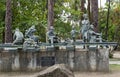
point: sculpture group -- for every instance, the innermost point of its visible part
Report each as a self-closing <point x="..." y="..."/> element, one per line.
<point x="30" y="39"/>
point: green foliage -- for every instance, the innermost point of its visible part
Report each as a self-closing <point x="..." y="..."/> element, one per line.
<point x="114" y="22"/>
<point x="26" y="13"/>
<point x="62" y="29"/>
<point x="30" y="12"/>
<point x="2" y="18"/>
<point x="34" y="12"/>
<point x="115" y="67"/>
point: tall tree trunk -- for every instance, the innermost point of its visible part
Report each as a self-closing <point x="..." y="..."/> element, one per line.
<point x="50" y="13"/>
<point x="3" y="35"/>
<point x="8" y="22"/>
<point x="94" y="10"/>
<point x="82" y="8"/>
<point x="89" y="12"/>
<point x="76" y="5"/>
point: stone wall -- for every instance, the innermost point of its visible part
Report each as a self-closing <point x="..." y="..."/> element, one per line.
<point x="78" y="60"/>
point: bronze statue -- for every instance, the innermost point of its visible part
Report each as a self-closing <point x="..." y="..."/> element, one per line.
<point x="30" y="34"/>
<point x="18" y="37"/>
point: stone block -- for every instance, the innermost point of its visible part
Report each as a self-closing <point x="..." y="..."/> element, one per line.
<point x="92" y="59"/>
<point x="103" y="60"/>
<point x="81" y="62"/>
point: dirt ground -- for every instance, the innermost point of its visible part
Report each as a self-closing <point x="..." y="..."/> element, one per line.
<point x="77" y="74"/>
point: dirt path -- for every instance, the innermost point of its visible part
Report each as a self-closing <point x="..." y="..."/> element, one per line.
<point x="98" y="74"/>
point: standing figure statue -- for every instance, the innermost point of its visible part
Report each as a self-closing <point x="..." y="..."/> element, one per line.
<point x="85" y="28"/>
<point x="73" y="33"/>
<point x="18" y="37"/>
<point x="30" y="34"/>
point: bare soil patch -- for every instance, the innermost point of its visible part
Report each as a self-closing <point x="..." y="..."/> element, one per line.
<point x="97" y="74"/>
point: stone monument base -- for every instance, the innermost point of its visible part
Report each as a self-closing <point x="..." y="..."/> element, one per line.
<point x="78" y="60"/>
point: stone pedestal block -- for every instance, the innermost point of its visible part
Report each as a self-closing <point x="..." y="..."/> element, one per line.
<point x="81" y="62"/>
<point x="103" y="60"/>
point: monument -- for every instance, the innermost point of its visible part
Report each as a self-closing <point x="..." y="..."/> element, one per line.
<point x="91" y="58"/>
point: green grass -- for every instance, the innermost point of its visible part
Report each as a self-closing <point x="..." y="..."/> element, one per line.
<point x="114" y="67"/>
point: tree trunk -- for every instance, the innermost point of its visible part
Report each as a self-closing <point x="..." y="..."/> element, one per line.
<point x="82" y="7"/>
<point x="8" y="22"/>
<point x="89" y="12"/>
<point x="50" y="13"/>
<point x="3" y="36"/>
<point x="94" y="10"/>
<point x="76" y="5"/>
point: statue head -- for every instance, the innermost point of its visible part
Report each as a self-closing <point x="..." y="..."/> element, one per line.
<point x="33" y="26"/>
<point x="17" y="29"/>
<point x="51" y="28"/>
<point x="91" y="26"/>
<point x="73" y="27"/>
<point x="85" y="16"/>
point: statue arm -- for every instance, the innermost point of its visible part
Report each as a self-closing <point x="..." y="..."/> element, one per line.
<point x="97" y="33"/>
<point x="14" y="36"/>
<point x="22" y="36"/>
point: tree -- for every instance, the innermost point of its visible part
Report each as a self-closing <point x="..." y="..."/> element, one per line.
<point x="94" y="10"/>
<point x="82" y="7"/>
<point x="8" y="22"/>
<point x="50" y="13"/>
<point x="88" y="8"/>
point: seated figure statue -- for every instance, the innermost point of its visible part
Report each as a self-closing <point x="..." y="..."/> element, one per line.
<point x="93" y="36"/>
<point x="18" y="37"/>
<point x="30" y="34"/>
<point x="51" y="35"/>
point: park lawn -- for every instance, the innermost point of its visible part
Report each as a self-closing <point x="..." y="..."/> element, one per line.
<point x="115" y="67"/>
